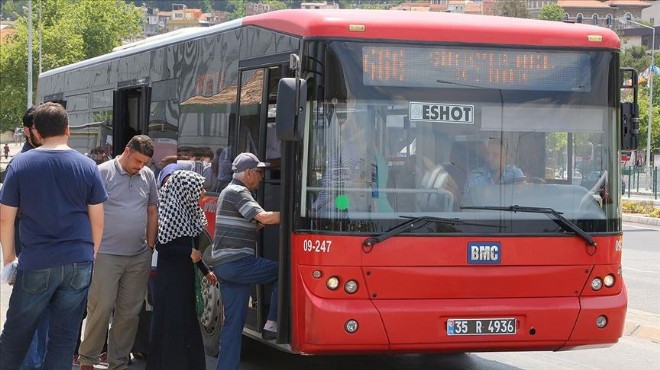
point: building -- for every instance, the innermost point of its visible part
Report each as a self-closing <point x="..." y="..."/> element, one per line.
<point x="154" y="22"/>
<point x="321" y="5"/>
<point x="638" y="36"/>
<point x="652" y="13"/>
<point x="604" y="14"/>
<point x="6" y="30"/>
<point x="256" y="8"/>
<point x="182" y="17"/>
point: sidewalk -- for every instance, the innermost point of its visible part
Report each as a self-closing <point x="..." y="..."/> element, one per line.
<point x="643" y="195"/>
<point x="642" y="324"/>
<point x="13" y="150"/>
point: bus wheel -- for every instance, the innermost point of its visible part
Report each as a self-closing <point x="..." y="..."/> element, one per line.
<point x="210" y="320"/>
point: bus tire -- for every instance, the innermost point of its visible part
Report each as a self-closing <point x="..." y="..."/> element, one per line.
<point x="210" y="320"/>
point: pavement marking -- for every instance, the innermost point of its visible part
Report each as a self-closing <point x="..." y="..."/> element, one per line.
<point x="636" y="225"/>
<point x="639" y="270"/>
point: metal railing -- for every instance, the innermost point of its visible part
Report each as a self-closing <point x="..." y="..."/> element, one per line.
<point x="640" y="182"/>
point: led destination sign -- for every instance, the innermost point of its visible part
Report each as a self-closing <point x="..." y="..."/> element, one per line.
<point x="458" y="67"/>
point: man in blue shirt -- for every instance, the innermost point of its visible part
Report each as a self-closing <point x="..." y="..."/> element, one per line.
<point x="37" y="350"/>
<point x="496" y="171"/>
<point x="60" y="195"/>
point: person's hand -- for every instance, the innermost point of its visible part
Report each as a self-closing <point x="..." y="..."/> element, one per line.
<point x="8" y="261"/>
<point x="211" y="278"/>
<point x="196" y="255"/>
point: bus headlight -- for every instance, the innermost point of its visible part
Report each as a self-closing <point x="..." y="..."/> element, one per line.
<point x="351" y="286"/>
<point x="596" y="284"/>
<point x="608" y="280"/>
<point x="601" y="321"/>
<point x="332" y="283"/>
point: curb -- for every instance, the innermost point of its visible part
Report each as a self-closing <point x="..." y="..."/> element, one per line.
<point x="627" y="217"/>
<point x="642" y="324"/>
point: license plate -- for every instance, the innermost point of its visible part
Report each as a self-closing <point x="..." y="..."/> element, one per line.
<point x="502" y="326"/>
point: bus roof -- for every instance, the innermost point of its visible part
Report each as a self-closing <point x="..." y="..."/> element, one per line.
<point x="149" y="43"/>
<point x="389" y="25"/>
<point x="434" y="26"/>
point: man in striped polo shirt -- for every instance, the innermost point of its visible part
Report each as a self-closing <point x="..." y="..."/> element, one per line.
<point x="238" y="217"/>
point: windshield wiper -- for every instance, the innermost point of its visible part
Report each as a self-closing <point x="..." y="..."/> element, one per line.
<point x="369" y="243"/>
<point x="558" y="218"/>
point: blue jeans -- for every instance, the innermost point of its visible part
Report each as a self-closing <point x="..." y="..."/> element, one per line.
<point x="35" y="355"/>
<point x="236" y="279"/>
<point x="60" y="290"/>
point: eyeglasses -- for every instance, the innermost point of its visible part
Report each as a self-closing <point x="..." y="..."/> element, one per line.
<point x="259" y="172"/>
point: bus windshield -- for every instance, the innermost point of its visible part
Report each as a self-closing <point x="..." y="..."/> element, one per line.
<point x="455" y="131"/>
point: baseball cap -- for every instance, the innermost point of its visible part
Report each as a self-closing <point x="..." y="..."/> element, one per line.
<point x="246" y="161"/>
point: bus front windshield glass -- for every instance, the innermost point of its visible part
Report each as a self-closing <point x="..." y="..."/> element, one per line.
<point x="463" y="133"/>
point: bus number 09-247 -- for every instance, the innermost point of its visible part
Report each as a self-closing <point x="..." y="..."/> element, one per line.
<point x="317" y="246"/>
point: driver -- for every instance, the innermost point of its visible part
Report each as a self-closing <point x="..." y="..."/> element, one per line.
<point x="496" y="171"/>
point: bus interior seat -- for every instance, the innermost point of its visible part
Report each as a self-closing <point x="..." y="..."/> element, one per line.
<point x="402" y="177"/>
<point x="436" y="197"/>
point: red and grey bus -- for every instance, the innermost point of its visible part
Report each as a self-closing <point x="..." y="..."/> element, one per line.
<point x="377" y="125"/>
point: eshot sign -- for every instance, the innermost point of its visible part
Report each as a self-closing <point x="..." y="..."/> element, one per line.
<point x="441" y="113"/>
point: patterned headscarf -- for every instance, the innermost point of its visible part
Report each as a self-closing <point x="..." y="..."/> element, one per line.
<point x="179" y="213"/>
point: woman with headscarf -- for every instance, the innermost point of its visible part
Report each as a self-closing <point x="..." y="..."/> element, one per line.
<point x="176" y="340"/>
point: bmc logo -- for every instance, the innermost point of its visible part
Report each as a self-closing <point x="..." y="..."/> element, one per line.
<point x="484" y="253"/>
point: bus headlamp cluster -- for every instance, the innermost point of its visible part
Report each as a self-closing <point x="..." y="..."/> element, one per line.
<point x="332" y="283"/>
<point x="608" y="281"/>
<point x="350" y="287"/>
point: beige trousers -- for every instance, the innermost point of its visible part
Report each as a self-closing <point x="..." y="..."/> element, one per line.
<point x="119" y="283"/>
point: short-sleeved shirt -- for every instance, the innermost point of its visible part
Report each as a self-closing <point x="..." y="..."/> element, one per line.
<point x="483" y="176"/>
<point x="235" y="227"/>
<point x="125" y="230"/>
<point x="17" y="233"/>
<point x="52" y="190"/>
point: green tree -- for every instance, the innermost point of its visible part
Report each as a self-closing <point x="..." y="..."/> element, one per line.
<point x="643" y="102"/>
<point x="12" y="9"/>
<point x="511" y="8"/>
<point x="236" y="9"/>
<point x="551" y="12"/>
<point x="276" y="5"/>
<point x="206" y="6"/>
<point x="636" y="57"/>
<point x="104" y="24"/>
<point x="73" y="30"/>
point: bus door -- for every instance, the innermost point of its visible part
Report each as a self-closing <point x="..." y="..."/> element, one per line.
<point x="256" y="134"/>
<point x="130" y="115"/>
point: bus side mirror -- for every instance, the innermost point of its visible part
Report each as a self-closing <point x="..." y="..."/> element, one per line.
<point x="291" y="103"/>
<point x="629" y="126"/>
<point x="629" y="109"/>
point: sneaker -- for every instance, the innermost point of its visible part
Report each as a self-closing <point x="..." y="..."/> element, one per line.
<point x="268" y="335"/>
<point x="139" y="356"/>
<point x="103" y="359"/>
